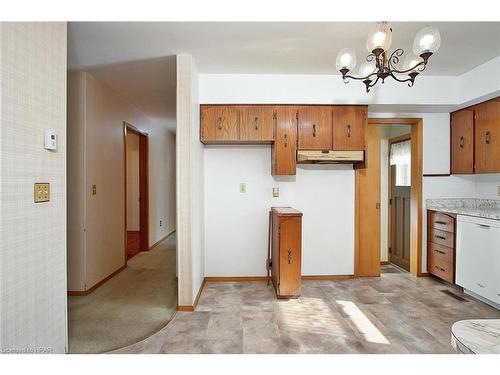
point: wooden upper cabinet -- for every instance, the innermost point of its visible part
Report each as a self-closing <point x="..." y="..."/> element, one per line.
<point x="487" y="137"/>
<point x="284" y="150"/>
<point x="349" y="123"/>
<point x="315" y="128"/>
<point x="462" y="142"/>
<point x="219" y="123"/>
<point x="256" y="123"/>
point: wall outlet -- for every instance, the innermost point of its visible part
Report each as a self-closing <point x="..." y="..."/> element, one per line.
<point x="498" y="190"/>
<point x="243" y="187"/>
<point x="42" y="192"/>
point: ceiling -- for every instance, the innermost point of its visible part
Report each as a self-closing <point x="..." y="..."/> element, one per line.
<point x="137" y="59"/>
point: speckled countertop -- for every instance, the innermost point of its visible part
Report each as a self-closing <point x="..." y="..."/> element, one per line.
<point x="480" y="336"/>
<point x="485" y="208"/>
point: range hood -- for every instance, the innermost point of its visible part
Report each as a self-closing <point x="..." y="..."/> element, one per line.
<point x="329" y="156"/>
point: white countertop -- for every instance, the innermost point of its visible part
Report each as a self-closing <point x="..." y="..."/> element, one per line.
<point x="481" y="336"/>
<point x="485" y="208"/>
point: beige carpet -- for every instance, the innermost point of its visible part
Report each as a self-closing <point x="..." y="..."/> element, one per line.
<point x="133" y="305"/>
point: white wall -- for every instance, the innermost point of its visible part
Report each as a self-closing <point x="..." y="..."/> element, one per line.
<point x="133" y="185"/>
<point x="236" y="224"/>
<point x="32" y="235"/>
<point x="486" y="186"/>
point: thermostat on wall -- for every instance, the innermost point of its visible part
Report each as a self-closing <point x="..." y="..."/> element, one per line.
<point x="50" y="139"/>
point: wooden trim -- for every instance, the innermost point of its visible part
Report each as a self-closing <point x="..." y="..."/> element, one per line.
<point x="384" y="263"/>
<point x="191" y="308"/>
<point x="416" y="193"/>
<point x="185" y="308"/>
<point x="327" y="277"/>
<point x="227" y="279"/>
<point x="88" y="291"/>
<point x="162" y="239"/>
<point x="400" y="138"/>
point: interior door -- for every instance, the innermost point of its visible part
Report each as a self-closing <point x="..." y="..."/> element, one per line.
<point x="315" y="128"/>
<point x="400" y="223"/>
<point x="290" y="256"/>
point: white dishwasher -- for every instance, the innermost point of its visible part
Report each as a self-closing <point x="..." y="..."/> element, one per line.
<point x="478" y="257"/>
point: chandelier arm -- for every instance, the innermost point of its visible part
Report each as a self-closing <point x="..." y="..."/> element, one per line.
<point x="370" y="85"/>
<point x="394" y="58"/>
<point x="360" y="78"/>
<point x="411" y="79"/>
<point x="420" y="67"/>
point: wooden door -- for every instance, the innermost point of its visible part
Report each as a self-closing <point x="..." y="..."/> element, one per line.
<point x="367" y="236"/>
<point x="462" y="142"/>
<point x="290" y="256"/>
<point x="487" y="137"/>
<point x="284" y="150"/>
<point x="315" y="128"/>
<point x="349" y="123"/>
<point x="256" y="123"/>
<point x="219" y="123"/>
<point x="400" y="199"/>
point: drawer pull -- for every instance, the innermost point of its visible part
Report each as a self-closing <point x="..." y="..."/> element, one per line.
<point x="487" y="137"/>
<point x="480" y="285"/>
<point x="461" y="142"/>
<point x="220" y="123"/>
<point x="256" y="123"/>
<point x="441" y="222"/>
<point x="440" y="269"/>
<point x="286" y="140"/>
<point x="439" y="251"/>
<point x="484" y="226"/>
<point x="289" y="256"/>
<point x="440" y="237"/>
<point x="349" y="131"/>
<point x="314" y="130"/>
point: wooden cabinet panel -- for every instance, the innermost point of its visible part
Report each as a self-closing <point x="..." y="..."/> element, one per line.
<point x="286" y="251"/>
<point x="284" y="150"/>
<point x="487" y="137"/>
<point x="315" y="128"/>
<point x="219" y="124"/>
<point x="441" y="245"/>
<point x="349" y="127"/>
<point x="444" y="253"/>
<point x="256" y="123"/>
<point x="441" y="237"/>
<point x="441" y="269"/>
<point x="462" y="142"/>
<point x="441" y="221"/>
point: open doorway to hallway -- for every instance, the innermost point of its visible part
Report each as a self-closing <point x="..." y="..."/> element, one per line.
<point x="121" y="290"/>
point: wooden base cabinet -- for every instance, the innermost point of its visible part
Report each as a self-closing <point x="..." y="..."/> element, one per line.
<point x="286" y="251"/>
<point x="441" y="245"/>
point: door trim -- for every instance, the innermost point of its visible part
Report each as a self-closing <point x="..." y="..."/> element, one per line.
<point x="143" y="184"/>
<point x="391" y="141"/>
<point x="416" y="195"/>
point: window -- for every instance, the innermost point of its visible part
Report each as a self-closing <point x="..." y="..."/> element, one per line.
<point x="401" y="157"/>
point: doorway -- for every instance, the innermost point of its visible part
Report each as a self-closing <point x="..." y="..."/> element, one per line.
<point x="136" y="191"/>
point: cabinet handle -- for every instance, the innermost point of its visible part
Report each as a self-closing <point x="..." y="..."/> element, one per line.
<point x="487" y="137"/>
<point x="480" y="285"/>
<point x="314" y="130"/>
<point x="484" y="226"/>
<point x="461" y="143"/>
<point x="349" y="131"/>
<point x="289" y="256"/>
<point x="440" y="222"/>
<point x="439" y="269"/>
<point x="256" y="123"/>
<point x="220" y="123"/>
<point x="439" y="251"/>
<point x="440" y="237"/>
<point x="286" y="140"/>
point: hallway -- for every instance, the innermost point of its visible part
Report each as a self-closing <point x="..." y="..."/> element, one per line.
<point x="131" y="306"/>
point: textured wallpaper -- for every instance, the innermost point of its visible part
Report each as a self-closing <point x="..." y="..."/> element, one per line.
<point x="32" y="236"/>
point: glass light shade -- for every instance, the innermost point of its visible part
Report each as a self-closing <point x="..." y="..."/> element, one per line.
<point x="379" y="37"/>
<point x="366" y="69"/>
<point x="410" y="61"/>
<point x="346" y="59"/>
<point x="427" y="40"/>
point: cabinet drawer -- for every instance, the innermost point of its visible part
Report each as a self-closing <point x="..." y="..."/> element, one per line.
<point x="440" y="252"/>
<point x="441" y="221"/>
<point x="441" y="269"/>
<point x="441" y="237"/>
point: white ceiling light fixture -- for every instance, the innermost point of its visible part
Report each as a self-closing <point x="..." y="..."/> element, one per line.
<point x="379" y="64"/>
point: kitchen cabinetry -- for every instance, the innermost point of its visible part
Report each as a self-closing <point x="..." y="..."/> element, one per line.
<point x="441" y="245"/>
<point x="349" y="123"/>
<point x="462" y="141"/>
<point x="286" y="251"/>
<point x="315" y="128"/>
<point x="478" y="256"/>
<point x="284" y="149"/>
<point x="219" y="124"/>
<point x="256" y="123"/>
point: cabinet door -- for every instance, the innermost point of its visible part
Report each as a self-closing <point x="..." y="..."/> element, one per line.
<point x="290" y="256"/>
<point x="256" y="123"/>
<point x="219" y="123"/>
<point x="487" y="137"/>
<point x="462" y="142"/>
<point x="349" y="127"/>
<point x="284" y="150"/>
<point x="315" y="128"/>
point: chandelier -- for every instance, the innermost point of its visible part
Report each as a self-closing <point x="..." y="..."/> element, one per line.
<point x="380" y="64"/>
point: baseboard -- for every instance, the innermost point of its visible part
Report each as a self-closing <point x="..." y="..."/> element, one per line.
<point x="185" y="308"/>
<point x="226" y="279"/>
<point x="424" y="274"/>
<point x="327" y="277"/>
<point x="385" y="263"/>
<point x="162" y="239"/>
<point x="189" y="308"/>
<point x="88" y="291"/>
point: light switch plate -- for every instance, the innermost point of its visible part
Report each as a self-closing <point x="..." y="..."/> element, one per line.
<point x="42" y="192"/>
<point x="276" y="192"/>
<point x="243" y="187"/>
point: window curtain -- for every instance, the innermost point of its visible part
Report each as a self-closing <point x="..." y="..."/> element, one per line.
<point x="401" y="158"/>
